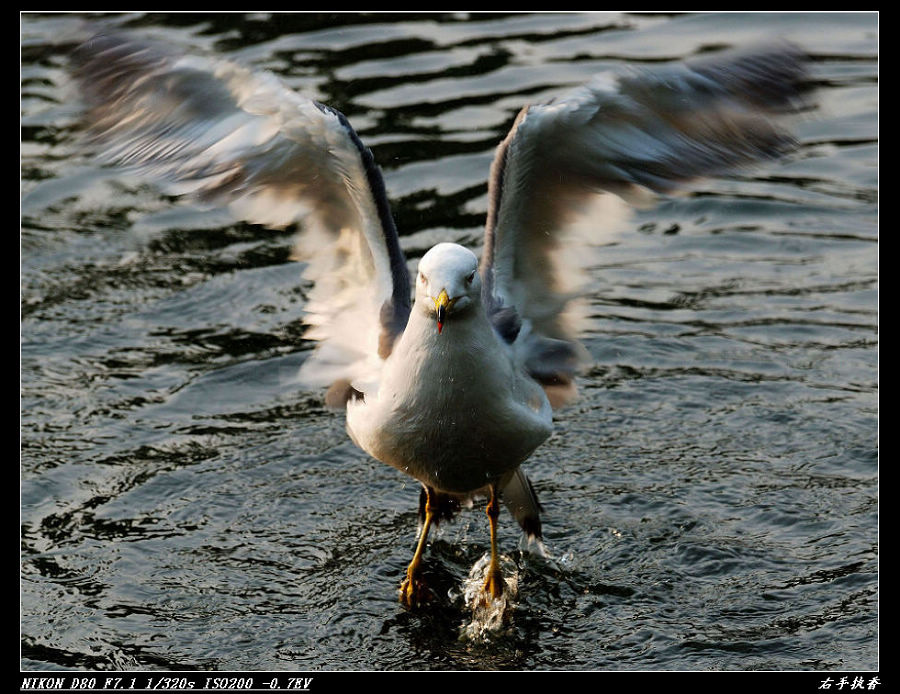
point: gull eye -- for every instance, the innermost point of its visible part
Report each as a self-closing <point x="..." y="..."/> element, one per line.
<point x="471" y="277"/>
<point x="422" y="278"/>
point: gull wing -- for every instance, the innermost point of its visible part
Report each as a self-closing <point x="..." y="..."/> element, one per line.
<point x="628" y="136"/>
<point x="225" y="134"/>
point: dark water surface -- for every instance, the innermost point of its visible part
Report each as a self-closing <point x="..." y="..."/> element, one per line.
<point x="712" y="498"/>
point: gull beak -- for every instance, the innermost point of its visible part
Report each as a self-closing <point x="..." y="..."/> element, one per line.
<point x="441" y="304"/>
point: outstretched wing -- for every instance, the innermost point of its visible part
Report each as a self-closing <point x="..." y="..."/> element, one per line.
<point x="225" y="134"/>
<point x="629" y="135"/>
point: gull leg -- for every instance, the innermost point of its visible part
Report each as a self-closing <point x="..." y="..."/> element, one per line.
<point x="494" y="583"/>
<point x="413" y="590"/>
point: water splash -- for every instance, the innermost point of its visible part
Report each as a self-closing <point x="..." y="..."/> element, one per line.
<point x="490" y="616"/>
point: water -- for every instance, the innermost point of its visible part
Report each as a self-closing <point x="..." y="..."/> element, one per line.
<point x="712" y="498"/>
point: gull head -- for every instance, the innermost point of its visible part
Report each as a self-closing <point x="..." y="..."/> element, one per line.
<point x="448" y="284"/>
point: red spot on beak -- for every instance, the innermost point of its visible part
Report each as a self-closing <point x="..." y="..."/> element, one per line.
<point x="441" y="304"/>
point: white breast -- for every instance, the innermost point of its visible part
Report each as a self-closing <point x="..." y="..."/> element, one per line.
<point x="452" y="410"/>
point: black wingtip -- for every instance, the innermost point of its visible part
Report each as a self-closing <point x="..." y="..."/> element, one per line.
<point x="522" y="502"/>
<point x="531" y="526"/>
<point x="773" y="76"/>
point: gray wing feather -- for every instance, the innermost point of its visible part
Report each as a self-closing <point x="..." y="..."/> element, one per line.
<point x="522" y="502"/>
<point x="630" y="135"/>
<point x="225" y="134"/>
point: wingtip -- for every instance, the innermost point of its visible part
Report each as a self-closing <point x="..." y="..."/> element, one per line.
<point x="522" y="502"/>
<point x="773" y="75"/>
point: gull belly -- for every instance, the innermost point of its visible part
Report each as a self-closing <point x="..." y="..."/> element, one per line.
<point x="454" y="409"/>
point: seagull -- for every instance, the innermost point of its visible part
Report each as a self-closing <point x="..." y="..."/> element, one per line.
<point x="455" y="387"/>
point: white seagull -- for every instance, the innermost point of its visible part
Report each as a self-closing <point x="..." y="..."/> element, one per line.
<point x="454" y="388"/>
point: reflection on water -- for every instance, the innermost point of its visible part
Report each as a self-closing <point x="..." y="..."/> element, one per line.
<point x="711" y="499"/>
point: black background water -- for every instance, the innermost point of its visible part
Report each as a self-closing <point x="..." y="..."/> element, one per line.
<point x="712" y="499"/>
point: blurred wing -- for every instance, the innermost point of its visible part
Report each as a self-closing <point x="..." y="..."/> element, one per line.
<point x="232" y="136"/>
<point x="628" y="135"/>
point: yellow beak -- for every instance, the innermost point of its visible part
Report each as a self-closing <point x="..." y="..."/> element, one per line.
<point x="441" y="305"/>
